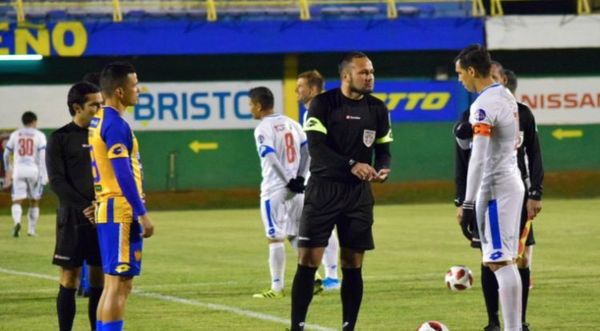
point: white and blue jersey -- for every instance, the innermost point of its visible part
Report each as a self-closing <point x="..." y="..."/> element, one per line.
<point x="493" y="176"/>
<point x="279" y="140"/>
<point x="282" y="136"/>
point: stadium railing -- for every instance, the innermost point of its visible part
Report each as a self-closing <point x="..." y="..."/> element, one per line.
<point x="213" y="9"/>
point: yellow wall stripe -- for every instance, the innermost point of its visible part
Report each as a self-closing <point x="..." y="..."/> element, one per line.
<point x="290" y="75"/>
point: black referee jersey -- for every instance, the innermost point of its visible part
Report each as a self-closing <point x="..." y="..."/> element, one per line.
<point x="529" y="158"/>
<point x="69" y="166"/>
<point x="342" y="131"/>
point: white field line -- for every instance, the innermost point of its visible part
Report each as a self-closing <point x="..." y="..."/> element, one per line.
<point x="169" y="298"/>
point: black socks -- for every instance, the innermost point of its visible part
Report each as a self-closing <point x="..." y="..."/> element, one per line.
<point x="302" y="293"/>
<point x="352" y="293"/>
<point x="65" y="307"/>
<point x="489" y="284"/>
<point x="525" y="276"/>
<point x="95" y="294"/>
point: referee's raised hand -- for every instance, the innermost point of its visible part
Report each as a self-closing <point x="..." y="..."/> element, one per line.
<point x="363" y="171"/>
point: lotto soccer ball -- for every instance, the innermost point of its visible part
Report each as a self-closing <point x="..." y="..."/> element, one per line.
<point x="459" y="278"/>
<point x="432" y="326"/>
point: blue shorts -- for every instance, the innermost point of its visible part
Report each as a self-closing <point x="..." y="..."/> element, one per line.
<point x="120" y="248"/>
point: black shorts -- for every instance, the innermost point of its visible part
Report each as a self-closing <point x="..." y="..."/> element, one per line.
<point x="476" y="243"/>
<point x="348" y="207"/>
<point x="76" y="239"/>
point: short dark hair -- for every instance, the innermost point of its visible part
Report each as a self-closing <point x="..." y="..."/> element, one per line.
<point x="92" y="77"/>
<point x="263" y="96"/>
<point x="496" y="63"/>
<point x="77" y="94"/>
<point x="28" y="117"/>
<point x="313" y="78"/>
<point x="477" y="57"/>
<point x="347" y="59"/>
<point x="114" y="75"/>
<point x="511" y="79"/>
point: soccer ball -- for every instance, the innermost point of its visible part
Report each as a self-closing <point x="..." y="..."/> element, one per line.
<point x="432" y="326"/>
<point x="459" y="278"/>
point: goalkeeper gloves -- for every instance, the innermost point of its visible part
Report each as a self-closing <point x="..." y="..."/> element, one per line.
<point x="467" y="222"/>
<point x="296" y="185"/>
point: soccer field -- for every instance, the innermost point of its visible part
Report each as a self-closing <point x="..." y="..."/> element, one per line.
<point x="202" y="267"/>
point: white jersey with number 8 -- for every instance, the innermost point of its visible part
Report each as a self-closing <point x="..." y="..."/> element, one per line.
<point x="283" y="136"/>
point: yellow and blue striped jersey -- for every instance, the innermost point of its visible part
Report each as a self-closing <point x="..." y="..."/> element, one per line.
<point x="116" y="168"/>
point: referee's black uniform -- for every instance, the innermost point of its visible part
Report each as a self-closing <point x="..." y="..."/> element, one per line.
<point x="529" y="160"/>
<point x="69" y="169"/>
<point x="341" y="132"/>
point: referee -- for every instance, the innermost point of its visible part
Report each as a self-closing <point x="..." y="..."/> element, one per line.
<point x="529" y="160"/>
<point x="68" y="162"/>
<point x="344" y="127"/>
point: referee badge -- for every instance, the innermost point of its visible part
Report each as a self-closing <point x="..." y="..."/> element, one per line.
<point x="368" y="137"/>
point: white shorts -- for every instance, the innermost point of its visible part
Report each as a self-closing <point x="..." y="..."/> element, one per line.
<point x="498" y="218"/>
<point x="280" y="212"/>
<point x="27" y="188"/>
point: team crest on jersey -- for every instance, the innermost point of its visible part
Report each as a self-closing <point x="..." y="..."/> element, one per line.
<point x="481" y="115"/>
<point x="368" y="137"/>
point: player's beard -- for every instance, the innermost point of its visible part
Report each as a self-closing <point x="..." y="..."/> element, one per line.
<point x="355" y="89"/>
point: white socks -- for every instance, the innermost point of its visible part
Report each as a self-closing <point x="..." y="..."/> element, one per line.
<point x="277" y="265"/>
<point x="330" y="257"/>
<point x="16" y="212"/>
<point x="33" y="215"/>
<point x="509" y="290"/>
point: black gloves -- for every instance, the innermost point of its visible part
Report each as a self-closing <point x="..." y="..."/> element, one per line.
<point x="467" y="222"/>
<point x="296" y="185"/>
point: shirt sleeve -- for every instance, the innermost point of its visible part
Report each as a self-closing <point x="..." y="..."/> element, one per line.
<point x="534" y="156"/>
<point x="124" y="175"/>
<point x="482" y="120"/>
<point x="264" y="142"/>
<point x="42" y="142"/>
<point x="10" y="146"/>
<point x="383" y="157"/>
<point x="119" y="141"/>
<point x="118" y="138"/>
<point x="42" y="157"/>
<point x="461" y="163"/>
<point x="316" y="133"/>
<point x="304" y="155"/>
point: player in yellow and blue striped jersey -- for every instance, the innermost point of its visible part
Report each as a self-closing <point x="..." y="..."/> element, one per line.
<point x="121" y="215"/>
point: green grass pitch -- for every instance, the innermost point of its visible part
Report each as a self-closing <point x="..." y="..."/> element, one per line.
<point x="202" y="267"/>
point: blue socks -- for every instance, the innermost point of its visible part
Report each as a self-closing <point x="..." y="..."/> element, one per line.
<point x="112" y="326"/>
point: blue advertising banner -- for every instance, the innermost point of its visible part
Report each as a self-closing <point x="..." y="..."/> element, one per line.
<point x="184" y="36"/>
<point x="420" y="101"/>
